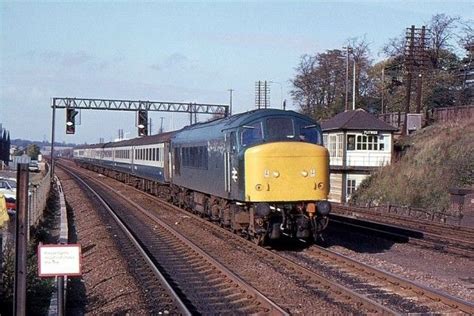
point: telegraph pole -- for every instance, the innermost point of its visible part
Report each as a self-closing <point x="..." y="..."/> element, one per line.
<point x="161" y="125"/>
<point x="419" y="84"/>
<point x="21" y="240"/>
<point x="415" y="62"/>
<point x="409" y="67"/>
<point x="354" y="87"/>
<point x="53" y="128"/>
<point x="262" y="94"/>
<point x="348" y="48"/>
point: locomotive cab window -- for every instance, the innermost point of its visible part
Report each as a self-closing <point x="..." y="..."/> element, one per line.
<point x="279" y="128"/>
<point x="251" y="134"/>
<point x="307" y="132"/>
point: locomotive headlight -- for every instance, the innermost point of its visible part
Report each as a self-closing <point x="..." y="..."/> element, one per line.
<point x="276" y="174"/>
<point x="304" y="173"/>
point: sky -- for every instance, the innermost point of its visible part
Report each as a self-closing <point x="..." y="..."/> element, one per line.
<point x="174" y="51"/>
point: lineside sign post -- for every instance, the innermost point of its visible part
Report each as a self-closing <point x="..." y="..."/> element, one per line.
<point x="59" y="260"/>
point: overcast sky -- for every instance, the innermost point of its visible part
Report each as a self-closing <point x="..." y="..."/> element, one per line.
<point x="173" y="51"/>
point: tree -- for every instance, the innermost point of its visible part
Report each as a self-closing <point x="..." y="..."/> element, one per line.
<point x="440" y="76"/>
<point x="33" y="151"/>
<point x="319" y="83"/>
<point x="441" y="29"/>
<point x="360" y="55"/>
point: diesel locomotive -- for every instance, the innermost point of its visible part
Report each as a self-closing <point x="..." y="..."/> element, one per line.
<point x="263" y="173"/>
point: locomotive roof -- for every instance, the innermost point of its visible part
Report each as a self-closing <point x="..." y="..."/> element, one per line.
<point x="246" y="117"/>
<point x="205" y="130"/>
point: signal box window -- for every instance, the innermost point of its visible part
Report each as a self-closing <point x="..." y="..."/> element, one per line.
<point x="368" y="142"/>
<point x="351" y="140"/>
<point x="351" y="187"/>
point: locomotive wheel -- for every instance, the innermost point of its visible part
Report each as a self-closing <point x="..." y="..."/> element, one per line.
<point x="318" y="224"/>
<point x="258" y="239"/>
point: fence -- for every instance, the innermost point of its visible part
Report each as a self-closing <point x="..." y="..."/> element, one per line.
<point x="453" y="113"/>
<point x="448" y="217"/>
<point x="397" y="119"/>
<point x="38" y="197"/>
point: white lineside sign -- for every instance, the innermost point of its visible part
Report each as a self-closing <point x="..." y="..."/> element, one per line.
<point x="59" y="260"/>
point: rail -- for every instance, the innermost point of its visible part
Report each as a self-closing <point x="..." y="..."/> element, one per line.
<point x="178" y="246"/>
<point x="180" y="307"/>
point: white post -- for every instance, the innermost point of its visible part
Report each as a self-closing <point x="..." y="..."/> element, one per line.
<point x="354" y="87"/>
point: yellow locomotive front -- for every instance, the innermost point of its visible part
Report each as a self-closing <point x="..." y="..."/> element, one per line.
<point x="286" y="172"/>
<point x="286" y="177"/>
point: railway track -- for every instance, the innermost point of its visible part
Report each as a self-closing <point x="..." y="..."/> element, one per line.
<point x="447" y="238"/>
<point x="375" y="283"/>
<point x="194" y="281"/>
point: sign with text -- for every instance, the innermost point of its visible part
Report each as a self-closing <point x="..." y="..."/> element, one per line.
<point x="57" y="260"/>
<point x="371" y="133"/>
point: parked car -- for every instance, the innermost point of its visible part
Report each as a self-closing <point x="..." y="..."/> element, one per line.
<point x="33" y="166"/>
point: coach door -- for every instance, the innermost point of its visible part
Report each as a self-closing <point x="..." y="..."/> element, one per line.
<point x="231" y="165"/>
<point x="167" y="162"/>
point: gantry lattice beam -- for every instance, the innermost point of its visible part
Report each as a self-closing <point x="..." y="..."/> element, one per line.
<point x="135" y="105"/>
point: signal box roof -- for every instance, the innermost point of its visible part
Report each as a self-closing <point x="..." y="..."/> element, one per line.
<point x="354" y="121"/>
